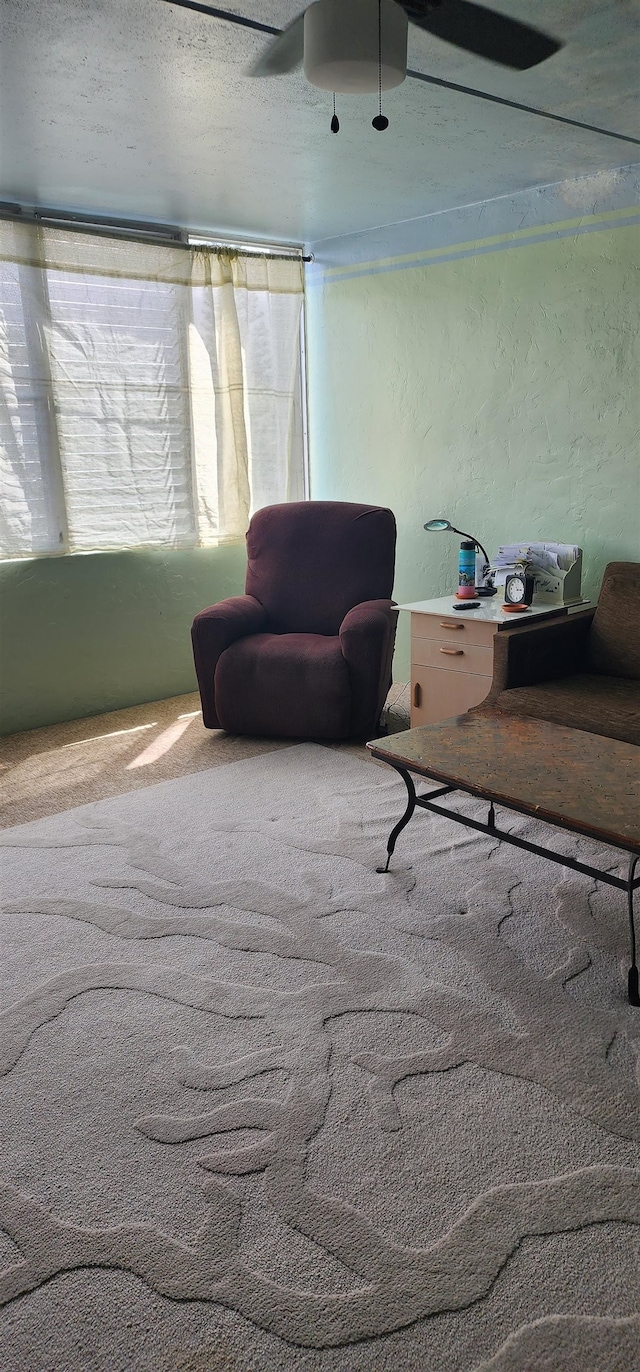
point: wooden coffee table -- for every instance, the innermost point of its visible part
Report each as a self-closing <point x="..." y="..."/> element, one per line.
<point x="581" y="782"/>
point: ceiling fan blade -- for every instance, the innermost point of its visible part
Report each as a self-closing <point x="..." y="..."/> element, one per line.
<point x="285" y="53"/>
<point x="483" y="32"/>
<point x="214" y="13"/>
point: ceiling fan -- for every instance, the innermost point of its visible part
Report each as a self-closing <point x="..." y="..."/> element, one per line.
<point x="472" y="27"/>
<point x="354" y="46"/>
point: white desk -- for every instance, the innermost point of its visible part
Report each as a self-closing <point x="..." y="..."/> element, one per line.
<point x="452" y="651"/>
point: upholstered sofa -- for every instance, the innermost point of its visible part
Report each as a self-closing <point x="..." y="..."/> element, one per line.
<point x="580" y="670"/>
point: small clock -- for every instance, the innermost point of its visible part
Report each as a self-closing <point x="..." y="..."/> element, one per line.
<point x="518" y="589"/>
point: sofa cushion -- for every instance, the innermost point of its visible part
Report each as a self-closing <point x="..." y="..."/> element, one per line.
<point x="599" y="704"/>
<point x="614" y="640"/>
<point x="284" y="686"/>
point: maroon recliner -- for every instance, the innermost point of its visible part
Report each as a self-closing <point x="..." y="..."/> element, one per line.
<point x="306" y="652"/>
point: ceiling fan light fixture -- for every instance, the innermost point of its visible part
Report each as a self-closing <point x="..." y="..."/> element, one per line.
<point x="341" y="45"/>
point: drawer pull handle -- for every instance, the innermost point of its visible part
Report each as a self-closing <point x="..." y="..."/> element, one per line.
<point x="417" y="695"/>
<point x="453" y="652"/>
<point x="451" y="626"/>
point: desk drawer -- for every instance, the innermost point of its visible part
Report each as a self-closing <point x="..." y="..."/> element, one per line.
<point x="455" y="627"/>
<point x="451" y="655"/>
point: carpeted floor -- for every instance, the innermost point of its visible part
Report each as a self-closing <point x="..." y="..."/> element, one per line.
<point x="264" y="1110"/>
<point x="43" y="771"/>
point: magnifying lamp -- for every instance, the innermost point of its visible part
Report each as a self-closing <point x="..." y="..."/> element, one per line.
<point x="436" y="526"/>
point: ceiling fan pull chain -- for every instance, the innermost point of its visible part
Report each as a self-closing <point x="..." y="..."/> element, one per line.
<point x="380" y="122"/>
<point x="335" y="122"/>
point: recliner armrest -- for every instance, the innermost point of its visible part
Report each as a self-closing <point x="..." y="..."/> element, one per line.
<point x="212" y="631"/>
<point x="531" y="653"/>
<point x="367" y="636"/>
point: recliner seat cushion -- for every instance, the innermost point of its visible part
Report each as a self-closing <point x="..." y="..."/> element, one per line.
<point x="284" y="686"/>
<point x="598" y="704"/>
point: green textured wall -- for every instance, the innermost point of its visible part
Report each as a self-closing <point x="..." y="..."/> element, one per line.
<point x="84" y="634"/>
<point x="499" y="390"/>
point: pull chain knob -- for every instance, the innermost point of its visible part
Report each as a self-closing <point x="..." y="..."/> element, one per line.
<point x="380" y="122"/>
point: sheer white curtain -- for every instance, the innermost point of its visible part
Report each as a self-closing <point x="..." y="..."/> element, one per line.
<point x="148" y="395"/>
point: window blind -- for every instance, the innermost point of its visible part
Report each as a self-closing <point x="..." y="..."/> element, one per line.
<point x="150" y="395"/>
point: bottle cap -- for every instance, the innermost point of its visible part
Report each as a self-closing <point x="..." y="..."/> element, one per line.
<point x="467" y="545"/>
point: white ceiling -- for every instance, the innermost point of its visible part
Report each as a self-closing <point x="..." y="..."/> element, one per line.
<point x="135" y="108"/>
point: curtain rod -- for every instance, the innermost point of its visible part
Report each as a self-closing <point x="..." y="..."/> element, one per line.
<point x="166" y="235"/>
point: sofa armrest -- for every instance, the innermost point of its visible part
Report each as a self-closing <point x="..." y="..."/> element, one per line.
<point x="367" y="637"/>
<point x="212" y="631"/>
<point x="531" y="653"/>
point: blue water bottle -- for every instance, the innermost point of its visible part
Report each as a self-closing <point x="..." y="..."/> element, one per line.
<point x="467" y="570"/>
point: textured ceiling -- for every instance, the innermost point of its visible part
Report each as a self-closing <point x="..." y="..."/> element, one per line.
<point x="136" y="108"/>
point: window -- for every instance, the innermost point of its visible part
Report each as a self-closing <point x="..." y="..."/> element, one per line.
<point x="150" y="395"/>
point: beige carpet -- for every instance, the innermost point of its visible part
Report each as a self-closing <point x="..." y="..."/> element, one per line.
<point x="264" y="1110"/>
<point x="43" y="771"/>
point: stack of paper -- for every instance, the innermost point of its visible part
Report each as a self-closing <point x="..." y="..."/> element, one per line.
<point x="542" y="560"/>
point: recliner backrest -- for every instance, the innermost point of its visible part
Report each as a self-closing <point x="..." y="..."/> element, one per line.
<point x="614" y="638"/>
<point x="309" y="562"/>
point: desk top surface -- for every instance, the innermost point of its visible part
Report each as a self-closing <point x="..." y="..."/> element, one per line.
<point x="490" y="610"/>
<point x="579" y="781"/>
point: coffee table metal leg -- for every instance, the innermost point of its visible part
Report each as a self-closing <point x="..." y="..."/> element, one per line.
<point x="426" y="802"/>
<point x="402" y="823"/>
<point x="634" y="989"/>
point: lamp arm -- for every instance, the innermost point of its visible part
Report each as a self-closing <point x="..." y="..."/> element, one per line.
<point x="472" y="539"/>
